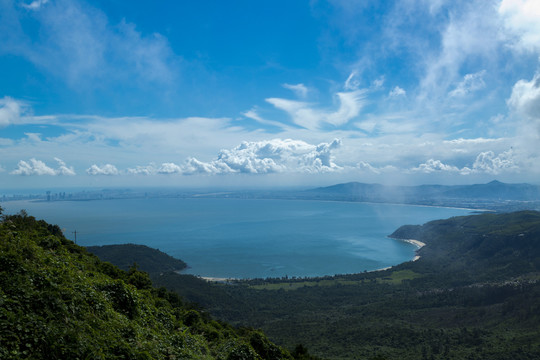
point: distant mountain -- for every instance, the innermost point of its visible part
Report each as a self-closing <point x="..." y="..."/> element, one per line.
<point x="496" y="190"/>
<point x="491" y="195"/>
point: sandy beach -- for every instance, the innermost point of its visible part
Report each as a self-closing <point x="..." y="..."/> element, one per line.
<point x="416" y="243"/>
<point x="216" y="279"/>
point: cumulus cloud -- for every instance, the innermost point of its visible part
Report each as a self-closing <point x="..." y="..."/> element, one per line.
<point x="165" y="168"/>
<point x="365" y="166"/>
<point x="299" y="89"/>
<point x="525" y="98"/>
<point x="10" y="111"/>
<point x="270" y="156"/>
<point x="106" y="169"/>
<point x="169" y="168"/>
<point x="432" y="165"/>
<point x="490" y="163"/>
<point x="63" y="169"/>
<point x="485" y="163"/>
<point x="256" y="157"/>
<point x="142" y="170"/>
<point x="470" y="83"/>
<point x="38" y="167"/>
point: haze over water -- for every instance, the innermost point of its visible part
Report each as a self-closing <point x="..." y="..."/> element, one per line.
<point x="246" y="238"/>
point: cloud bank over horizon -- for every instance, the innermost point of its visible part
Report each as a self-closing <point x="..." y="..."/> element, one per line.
<point x="350" y="96"/>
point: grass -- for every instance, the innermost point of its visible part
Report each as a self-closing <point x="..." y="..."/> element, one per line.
<point x="393" y="278"/>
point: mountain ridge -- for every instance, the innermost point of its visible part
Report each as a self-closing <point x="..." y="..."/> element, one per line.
<point x="494" y="195"/>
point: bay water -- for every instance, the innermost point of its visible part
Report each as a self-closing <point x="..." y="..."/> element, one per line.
<point x="238" y="238"/>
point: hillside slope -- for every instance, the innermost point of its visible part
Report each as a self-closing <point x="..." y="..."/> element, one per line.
<point x="148" y="259"/>
<point x="57" y="301"/>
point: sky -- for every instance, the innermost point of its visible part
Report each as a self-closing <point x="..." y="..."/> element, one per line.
<point x="214" y="93"/>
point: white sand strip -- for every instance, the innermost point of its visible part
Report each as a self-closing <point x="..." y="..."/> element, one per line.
<point x="216" y="279"/>
<point x="416" y="243"/>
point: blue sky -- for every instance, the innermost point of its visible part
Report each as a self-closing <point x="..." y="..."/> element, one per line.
<point x="268" y="93"/>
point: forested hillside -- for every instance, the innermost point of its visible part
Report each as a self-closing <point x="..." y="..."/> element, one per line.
<point x="58" y="301"/>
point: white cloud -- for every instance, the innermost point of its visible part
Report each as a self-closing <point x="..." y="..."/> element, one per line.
<point x="35" y="5"/>
<point x="305" y="115"/>
<point x="36" y="137"/>
<point x="38" y="167"/>
<point x="270" y="156"/>
<point x="485" y="163"/>
<point x="362" y="165"/>
<point x="78" y="43"/>
<point x="470" y="83"/>
<point x="106" y="169"/>
<point x="378" y="83"/>
<point x="490" y="163"/>
<point x="142" y="170"/>
<point x="193" y="166"/>
<point x="63" y="169"/>
<point x="463" y="38"/>
<point x="300" y="112"/>
<point x="253" y="114"/>
<point x="169" y="168"/>
<point x="432" y="165"/>
<point x="352" y="83"/>
<point x="520" y="18"/>
<point x="397" y="91"/>
<point x="10" y="111"/>
<point x="299" y="89"/>
<point x="525" y="98"/>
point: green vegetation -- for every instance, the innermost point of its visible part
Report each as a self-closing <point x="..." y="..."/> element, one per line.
<point x="58" y="301"/>
<point x="473" y="294"/>
<point x="148" y="259"/>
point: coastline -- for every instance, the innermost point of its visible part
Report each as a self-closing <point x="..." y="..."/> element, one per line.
<point x="218" y="279"/>
<point x="227" y="280"/>
<point x="416" y="243"/>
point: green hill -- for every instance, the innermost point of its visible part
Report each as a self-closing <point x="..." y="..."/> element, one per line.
<point x="147" y="259"/>
<point x="58" y="301"/>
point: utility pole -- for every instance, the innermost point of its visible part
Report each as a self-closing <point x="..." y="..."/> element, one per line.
<point x="75" y="232"/>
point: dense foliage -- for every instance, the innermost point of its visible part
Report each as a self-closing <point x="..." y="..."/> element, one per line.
<point x="57" y="301"/>
<point x="125" y="255"/>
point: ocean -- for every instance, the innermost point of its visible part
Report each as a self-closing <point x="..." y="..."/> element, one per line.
<point x="237" y="238"/>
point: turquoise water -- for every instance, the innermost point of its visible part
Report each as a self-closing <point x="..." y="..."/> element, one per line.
<point x="246" y="238"/>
